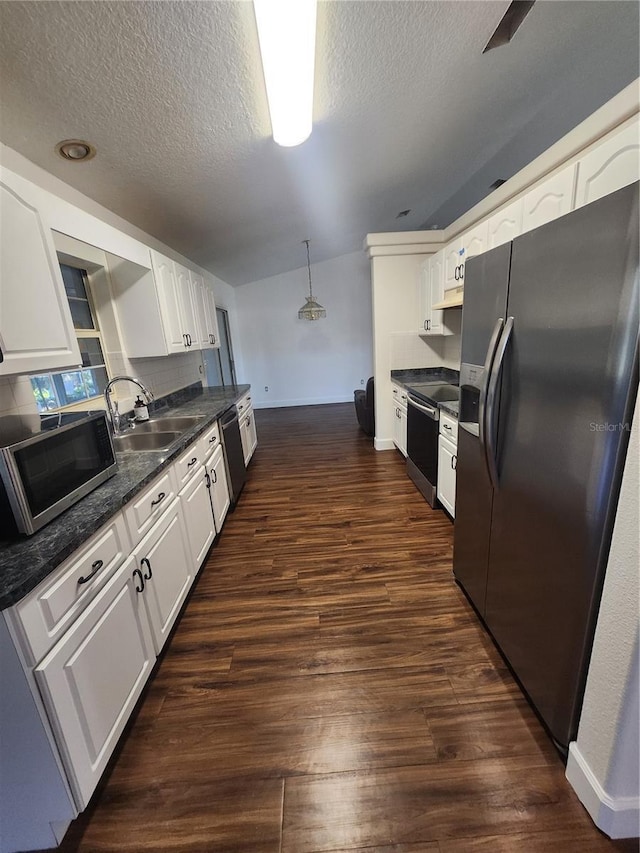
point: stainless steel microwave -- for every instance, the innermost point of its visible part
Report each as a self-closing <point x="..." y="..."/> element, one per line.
<point x="47" y="463"/>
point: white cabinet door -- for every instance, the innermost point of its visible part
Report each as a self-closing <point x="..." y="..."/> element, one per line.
<point x="245" y="438"/>
<point x="403" y="431"/>
<point x="199" y="293"/>
<point x="36" y="331"/>
<point x="252" y="435"/>
<point x="609" y="167"/>
<point x="447" y="474"/>
<point x="453" y="265"/>
<point x="431" y="284"/>
<point x="550" y="199"/>
<point x="187" y="308"/>
<point x="198" y="518"/>
<point x="506" y="224"/>
<point x="475" y="242"/>
<point x="212" y="317"/>
<point x="163" y="559"/>
<point x="91" y="680"/>
<point x="167" y="284"/>
<point x="220" y="500"/>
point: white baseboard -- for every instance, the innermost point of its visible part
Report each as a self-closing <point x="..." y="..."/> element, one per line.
<point x="384" y="444"/>
<point x="618" y="817"/>
<point x="310" y="401"/>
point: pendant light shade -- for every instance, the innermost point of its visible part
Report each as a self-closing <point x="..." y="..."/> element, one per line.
<point x="311" y="310"/>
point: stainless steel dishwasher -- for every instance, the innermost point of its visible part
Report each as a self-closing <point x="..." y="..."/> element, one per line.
<point x="233" y="453"/>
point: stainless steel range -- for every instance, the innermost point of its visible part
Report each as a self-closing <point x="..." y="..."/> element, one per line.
<point x="423" y="418"/>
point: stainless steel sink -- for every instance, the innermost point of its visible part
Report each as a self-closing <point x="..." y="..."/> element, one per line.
<point x="169" y="424"/>
<point x="132" y="441"/>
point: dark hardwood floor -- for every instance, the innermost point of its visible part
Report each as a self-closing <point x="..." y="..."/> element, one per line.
<point x="329" y="688"/>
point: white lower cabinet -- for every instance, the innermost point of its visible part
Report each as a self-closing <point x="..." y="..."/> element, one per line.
<point x="92" y="678"/>
<point x="248" y="434"/>
<point x="166" y="570"/>
<point x="399" y="398"/>
<point x="196" y="506"/>
<point x="447" y="459"/>
<point x="218" y="487"/>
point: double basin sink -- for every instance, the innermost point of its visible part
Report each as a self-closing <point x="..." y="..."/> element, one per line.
<point x="158" y="434"/>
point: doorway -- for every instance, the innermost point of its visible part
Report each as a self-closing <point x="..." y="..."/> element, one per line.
<point x="218" y="363"/>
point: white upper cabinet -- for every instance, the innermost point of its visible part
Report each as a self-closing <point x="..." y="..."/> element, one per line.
<point x="550" y="199"/>
<point x="169" y="295"/>
<point x="36" y="330"/>
<point x="187" y="307"/>
<point x="614" y="164"/>
<point x="475" y="242"/>
<point x="453" y="265"/>
<point x="205" y="307"/>
<point x="506" y="224"/>
<point x="212" y="317"/>
<point x="432" y="292"/>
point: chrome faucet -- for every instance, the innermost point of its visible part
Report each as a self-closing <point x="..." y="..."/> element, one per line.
<point x="112" y="405"/>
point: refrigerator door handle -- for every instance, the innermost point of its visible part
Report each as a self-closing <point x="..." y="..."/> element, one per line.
<point x="482" y="404"/>
<point x="492" y="392"/>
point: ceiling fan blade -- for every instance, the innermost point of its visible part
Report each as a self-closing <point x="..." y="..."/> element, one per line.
<point x="511" y="20"/>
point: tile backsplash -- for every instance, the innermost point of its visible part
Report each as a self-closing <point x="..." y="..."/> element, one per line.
<point x="409" y="350"/>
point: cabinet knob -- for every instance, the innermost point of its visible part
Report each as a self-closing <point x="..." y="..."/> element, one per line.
<point x="95" y="568"/>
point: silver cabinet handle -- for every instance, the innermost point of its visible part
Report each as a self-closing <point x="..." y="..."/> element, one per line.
<point x="488" y="362"/>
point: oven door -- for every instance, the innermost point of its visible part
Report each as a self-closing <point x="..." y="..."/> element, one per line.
<point x="422" y="446"/>
<point x="52" y="472"/>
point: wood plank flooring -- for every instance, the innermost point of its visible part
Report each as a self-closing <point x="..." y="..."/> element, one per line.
<point x="329" y="688"/>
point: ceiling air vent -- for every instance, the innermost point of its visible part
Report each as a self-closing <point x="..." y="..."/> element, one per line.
<point x="498" y="183"/>
<point x="511" y="20"/>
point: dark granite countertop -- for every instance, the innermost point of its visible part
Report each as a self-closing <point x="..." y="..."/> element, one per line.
<point x="26" y="562"/>
<point x="406" y="378"/>
<point x="451" y="408"/>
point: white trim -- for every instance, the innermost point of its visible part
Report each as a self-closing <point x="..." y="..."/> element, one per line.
<point x="384" y="444"/>
<point x="618" y="817"/>
<point x="311" y="401"/>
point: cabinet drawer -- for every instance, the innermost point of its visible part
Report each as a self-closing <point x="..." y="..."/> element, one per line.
<point x="210" y="441"/>
<point x="244" y="404"/>
<point x="399" y="396"/>
<point x="189" y="463"/>
<point x="145" y="508"/>
<point x="449" y="427"/>
<point x="56" y="602"/>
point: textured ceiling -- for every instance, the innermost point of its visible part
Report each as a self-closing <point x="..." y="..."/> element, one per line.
<point x="408" y="114"/>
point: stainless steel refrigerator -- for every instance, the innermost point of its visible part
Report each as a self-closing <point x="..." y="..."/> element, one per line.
<point x="548" y="380"/>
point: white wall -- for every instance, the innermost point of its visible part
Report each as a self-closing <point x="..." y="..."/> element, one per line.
<point x="397" y="344"/>
<point x="604" y="762"/>
<point x="304" y="362"/>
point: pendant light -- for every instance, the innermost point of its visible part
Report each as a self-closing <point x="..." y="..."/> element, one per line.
<point x="311" y="310"/>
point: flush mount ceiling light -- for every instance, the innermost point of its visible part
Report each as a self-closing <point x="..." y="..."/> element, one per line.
<point x="311" y="310"/>
<point x="287" y="36"/>
<point x="75" y="149"/>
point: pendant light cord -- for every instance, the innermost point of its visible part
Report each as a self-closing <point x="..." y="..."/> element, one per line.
<point x="306" y="242"/>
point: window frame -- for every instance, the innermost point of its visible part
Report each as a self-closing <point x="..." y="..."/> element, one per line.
<point x="80" y="334"/>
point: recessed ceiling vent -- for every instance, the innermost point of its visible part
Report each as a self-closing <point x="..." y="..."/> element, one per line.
<point x="75" y="150"/>
<point x="403" y="213"/>
<point x="511" y="20"/>
<point x="497" y="183"/>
